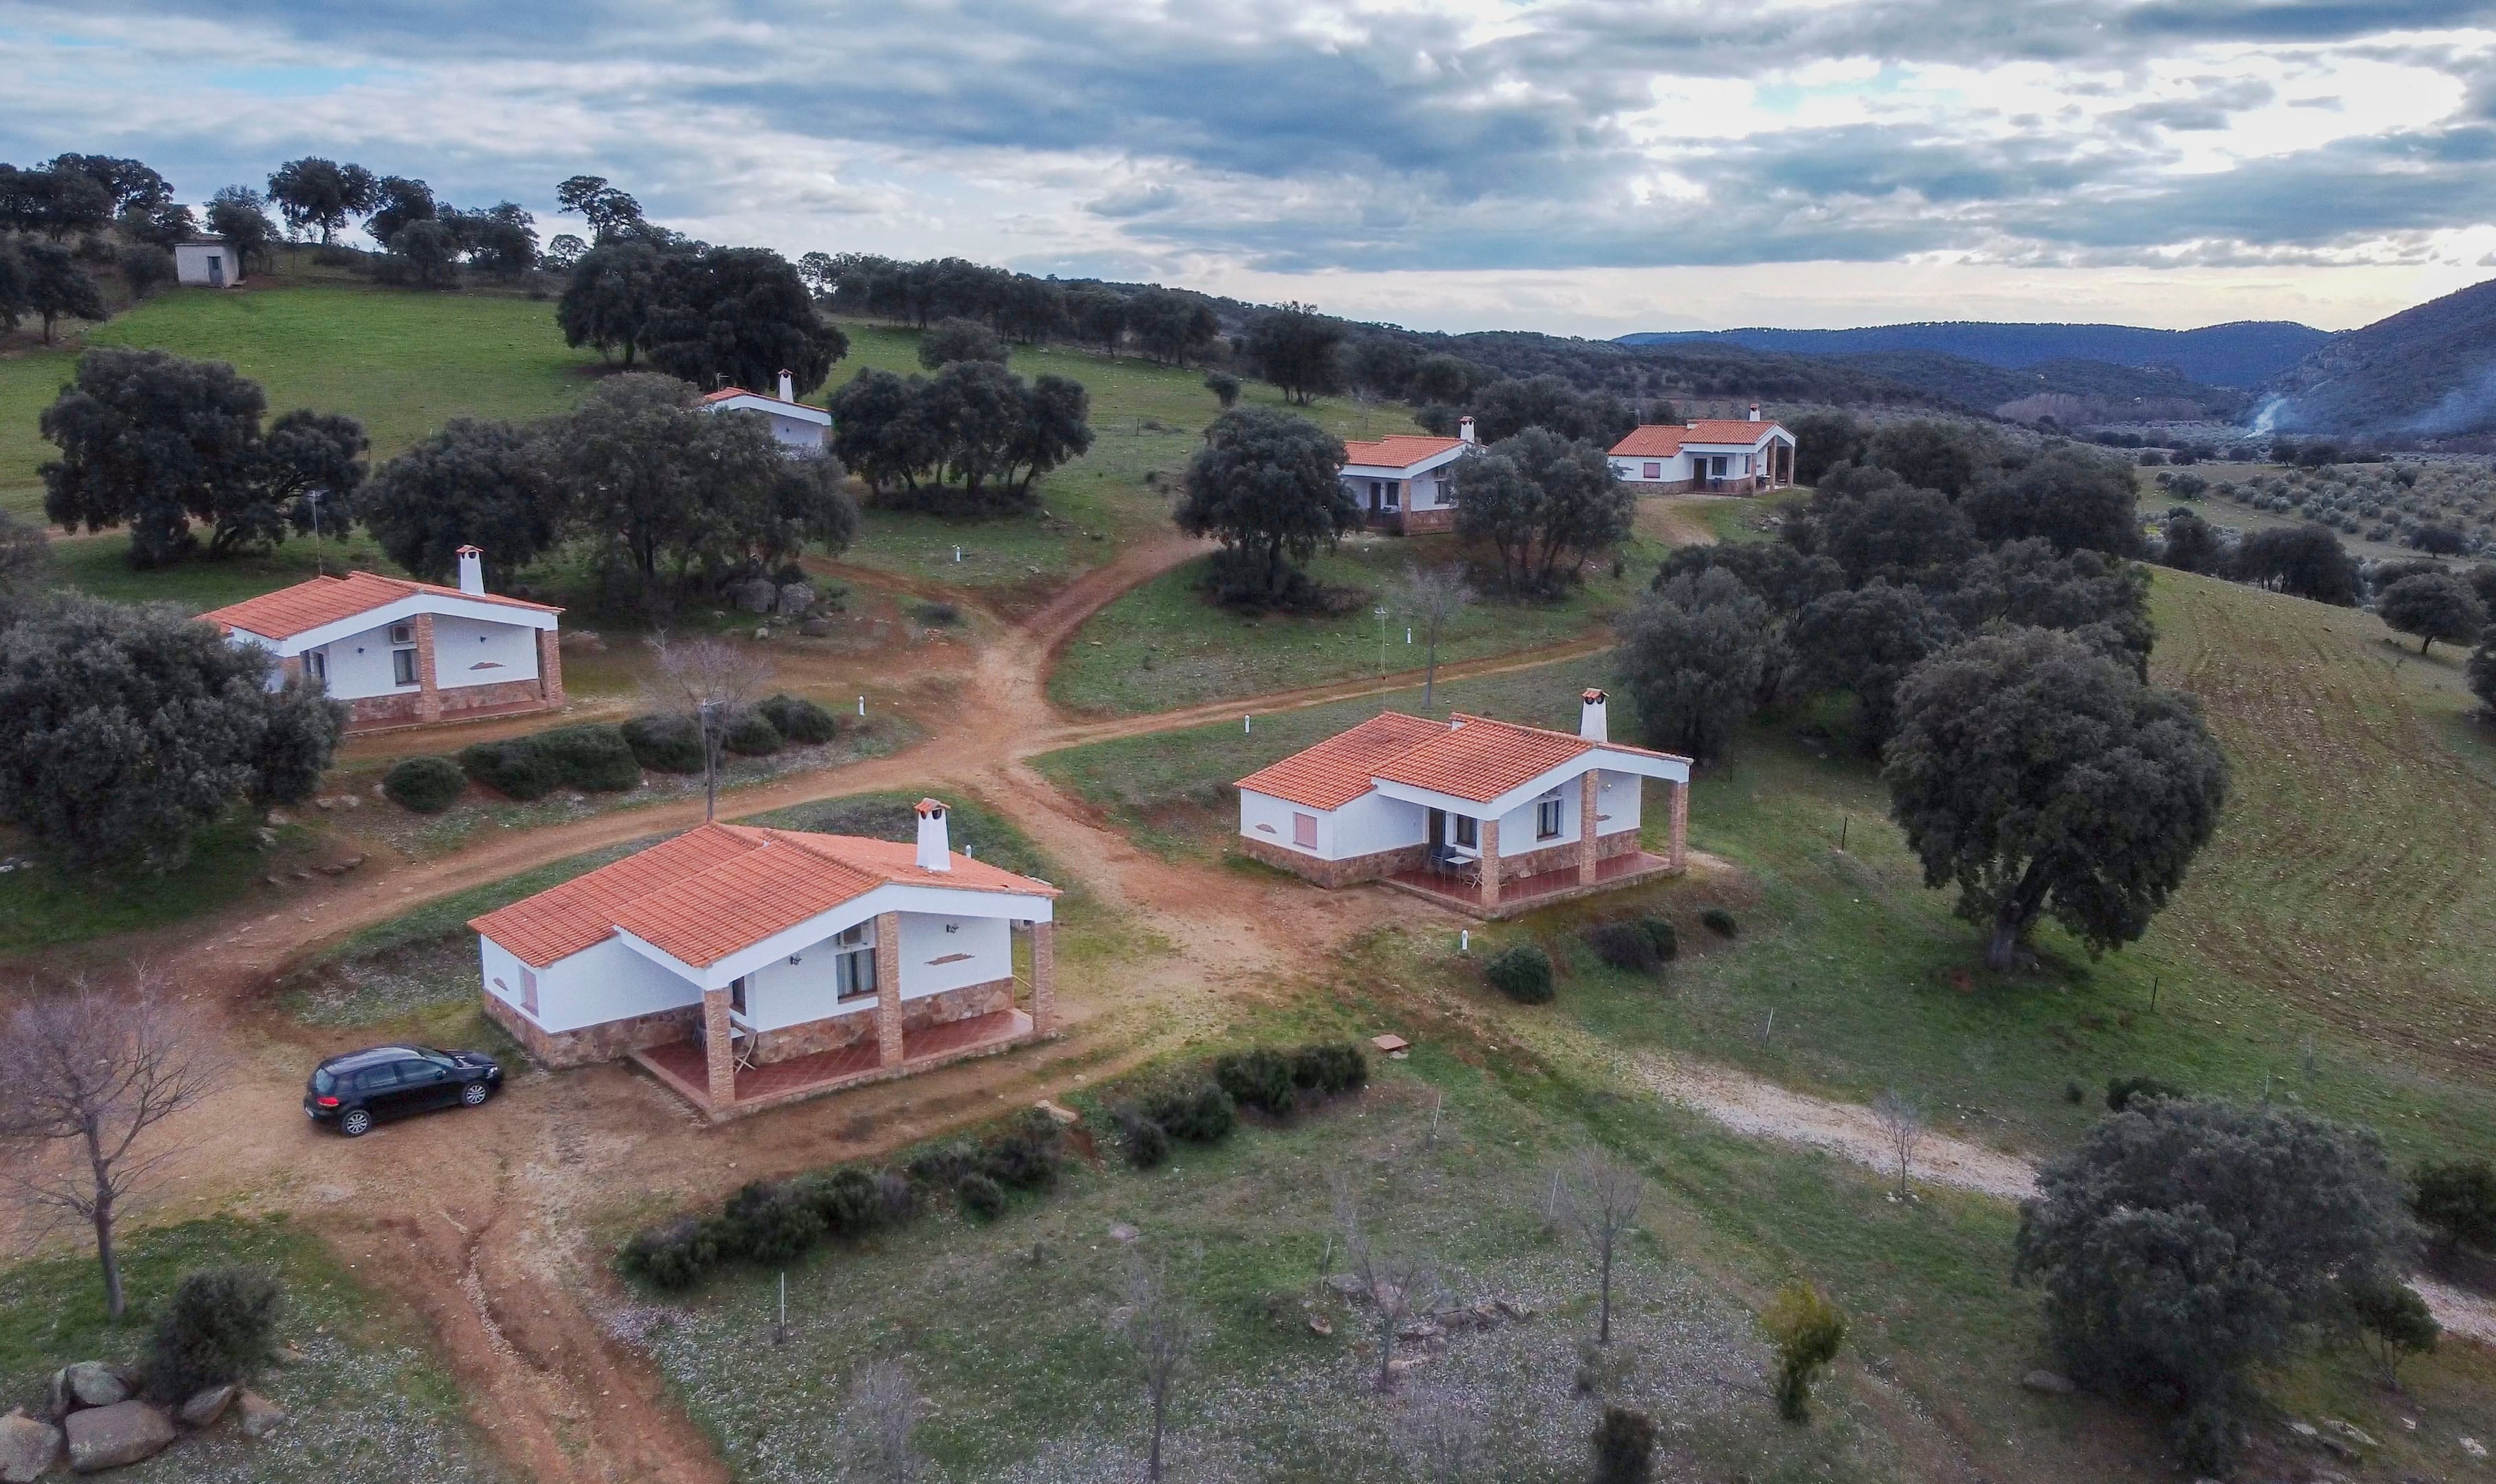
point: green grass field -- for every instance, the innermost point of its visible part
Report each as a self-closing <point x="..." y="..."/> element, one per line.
<point x="366" y="1401"/>
<point x="45" y="904"/>
<point x="1164" y="645"/>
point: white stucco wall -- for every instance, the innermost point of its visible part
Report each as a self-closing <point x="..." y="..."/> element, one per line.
<point x="1263" y="817"/>
<point x="359" y="664"/>
<point x="781" y="993"/>
<point x="509" y="651"/>
<point x="191" y="262"/>
<point x="1634" y="470"/>
<point x="796" y="433"/>
<point x="1617" y="806"/>
<point x="1374" y="823"/>
<point x="602" y="982"/>
<point x="979" y="949"/>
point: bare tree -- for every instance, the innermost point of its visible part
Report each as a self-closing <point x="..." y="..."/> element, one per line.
<point x="1434" y="596"/>
<point x="1162" y="1333"/>
<point x="709" y="681"/>
<point x="1602" y="1197"/>
<point x="94" y="1071"/>
<point x="883" y="1413"/>
<point x="1441" y="1442"/>
<point x="1398" y="1285"/>
<point x="1902" y="1122"/>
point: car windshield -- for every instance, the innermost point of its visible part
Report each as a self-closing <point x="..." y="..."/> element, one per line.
<point x="439" y="1058"/>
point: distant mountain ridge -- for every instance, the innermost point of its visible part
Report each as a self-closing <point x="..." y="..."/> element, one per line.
<point x="2245" y="353"/>
<point x="2427" y="372"/>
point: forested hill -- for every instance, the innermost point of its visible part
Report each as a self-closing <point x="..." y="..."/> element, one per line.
<point x="2245" y="353"/>
<point x="2427" y="372"/>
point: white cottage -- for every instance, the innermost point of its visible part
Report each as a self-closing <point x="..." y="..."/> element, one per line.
<point x="1486" y="815"/>
<point x="746" y="966"/>
<point x="1711" y="455"/>
<point x="209" y="262"/>
<point x="798" y="428"/>
<point x="401" y="653"/>
<point x="1406" y="482"/>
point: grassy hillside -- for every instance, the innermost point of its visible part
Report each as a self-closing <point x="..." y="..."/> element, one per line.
<point x="402" y="363"/>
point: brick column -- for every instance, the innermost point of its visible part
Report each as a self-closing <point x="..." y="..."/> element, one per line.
<point x="719" y="1041"/>
<point x="1589" y="783"/>
<point x="1490" y="862"/>
<point x="1044" y="977"/>
<point x="887" y="988"/>
<point x="1678" y="853"/>
<point x="428" y="695"/>
<point x="550" y="666"/>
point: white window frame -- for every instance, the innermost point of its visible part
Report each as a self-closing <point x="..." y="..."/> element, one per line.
<point x="1547" y="809"/>
<point x="854" y="963"/>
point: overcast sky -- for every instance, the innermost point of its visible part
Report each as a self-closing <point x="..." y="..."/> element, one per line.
<point x="1585" y="166"/>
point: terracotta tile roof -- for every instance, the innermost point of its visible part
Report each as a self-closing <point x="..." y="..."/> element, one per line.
<point x="722" y="888"/>
<point x="1652" y="441"/>
<point x="1482" y="759"/>
<point x="318" y="600"/>
<point x="732" y="393"/>
<point x="1402" y="450"/>
<point x="1734" y="430"/>
<point x="1339" y="769"/>
<point x="1665" y="440"/>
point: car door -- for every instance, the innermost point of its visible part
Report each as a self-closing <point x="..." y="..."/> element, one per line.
<point x="424" y="1084"/>
<point x="377" y="1089"/>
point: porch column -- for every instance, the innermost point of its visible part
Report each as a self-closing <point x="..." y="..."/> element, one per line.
<point x="428" y="692"/>
<point x="1678" y="854"/>
<point x="887" y="988"/>
<point x="550" y="666"/>
<point x="718" y="1041"/>
<point x="1044" y="977"/>
<point x="1588" y="786"/>
<point x="1490" y="862"/>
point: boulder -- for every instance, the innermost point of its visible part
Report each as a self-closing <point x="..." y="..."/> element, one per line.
<point x="1347" y="1284"/>
<point x="27" y="1448"/>
<point x="261" y="1416"/>
<point x="108" y="1437"/>
<point x="755" y="595"/>
<point x="1122" y="1233"/>
<point x="816" y="627"/>
<point x="796" y="600"/>
<point x="93" y="1383"/>
<point x="204" y="1408"/>
<point x="2048" y="1382"/>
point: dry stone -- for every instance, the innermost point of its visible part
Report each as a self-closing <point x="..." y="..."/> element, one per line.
<point x="2048" y="1382"/>
<point x="755" y="596"/>
<point x="796" y="600"/>
<point x="94" y="1383"/>
<point x="816" y="627"/>
<point x="261" y="1416"/>
<point x="109" y="1436"/>
<point x="27" y="1448"/>
<point x="204" y="1408"/>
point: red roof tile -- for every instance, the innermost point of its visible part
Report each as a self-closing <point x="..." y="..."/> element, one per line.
<point x="1481" y="759"/>
<point x="1734" y="430"/>
<point x="1663" y="440"/>
<point x="1652" y="441"/>
<point x="316" y="601"/>
<point x="723" y="887"/>
<point x="1401" y="451"/>
<point x="1339" y="769"/>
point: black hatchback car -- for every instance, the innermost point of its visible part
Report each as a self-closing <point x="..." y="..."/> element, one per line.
<point x="361" y="1087"/>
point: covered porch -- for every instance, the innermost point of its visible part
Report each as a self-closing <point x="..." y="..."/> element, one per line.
<point x="684" y="1067"/>
<point x="1471" y="859"/>
<point x="1524" y="893"/>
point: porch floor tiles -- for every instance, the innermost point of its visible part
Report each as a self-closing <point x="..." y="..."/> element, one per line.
<point x="1522" y="893"/>
<point x="685" y="1069"/>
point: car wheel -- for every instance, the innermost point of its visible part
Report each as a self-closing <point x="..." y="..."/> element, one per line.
<point x="356" y="1123"/>
<point x="475" y="1094"/>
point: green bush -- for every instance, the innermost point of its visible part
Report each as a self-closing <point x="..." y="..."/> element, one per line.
<point x="941" y="1166"/>
<point x="1624" y="1447"/>
<point x="845" y="1199"/>
<point x="1147" y="1144"/>
<point x="1197" y="1112"/>
<point x="1806" y="1329"/>
<point x="1522" y="972"/>
<point x="2455" y="1201"/>
<point x="1720" y="922"/>
<point x="220" y="1326"/>
<point x="2121" y="1091"/>
<point x="768" y="1221"/>
<point x="798" y="719"/>
<point x="591" y="756"/>
<point x="425" y="784"/>
<point x="665" y="743"/>
<point x="1260" y="1079"/>
<point x="752" y="735"/>
<point x="675" y="1256"/>
<point x="518" y="768"/>
<point x="1658" y="932"/>
<point x="1624" y="945"/>
<point x="1329" y="1067"/>
<point x="979" y="1197"/>
<point x="1025" y="1157"/>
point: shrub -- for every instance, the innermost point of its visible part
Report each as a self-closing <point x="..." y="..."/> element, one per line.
<point x="898" y="1198"/>
<point x="938" y="615"/>
<point x="665" y="743"/>
<point x="1720" y="922"/>
<point x="1328" y="1067"/>
<point x="1145" y="1143"/>
<point x="592" y="757"/>
<point x="846" y="1200"/>
<point x="221" y="1326"/>
<point x="1660" y="932"/>
<point x="676" y="1256"/>
<point x="1522" y="972"/>
<point x="1025" y="1157"/>
<point x="941" y="1166"/>
<point x="768" y="1221"/>
<point x="2388" y="1320"/>
<point x="1258" y="1079"/>
<point x="1806" y="1329"/>
<point x="2121" y="1091"/>
<point x="979" y="1197"/>
<point x="1624" y="1447"/>
<point x="798" y="719"/>
<point x="425" y="784"/>
<point x="1223" y="385"/>
<point x="2455" y="1200"/>
<point x="1625" y="946"/>
<point x="518" y="768"/>
<point x="752" y="735"/>
<point x="1199" y="1113"/>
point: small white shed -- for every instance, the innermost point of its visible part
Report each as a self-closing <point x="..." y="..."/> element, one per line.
<point x="211" y="262"/>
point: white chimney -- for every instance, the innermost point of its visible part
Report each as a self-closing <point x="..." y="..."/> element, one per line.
<point x="789" y="391"/>
<point x="933" y="853"/>
<point x="1591" y="716"/>
<point x="1465" y="429"/>
<point x="1755" y="412"/>
<point x="472" y="569"/>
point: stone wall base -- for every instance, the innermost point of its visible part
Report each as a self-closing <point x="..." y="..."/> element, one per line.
<point x="606" y="1041"/>
<point x="467" y="702"/>
<point x="1560" y="857"/>
<point x="1335" y="873"/>
<point x="832" y="1031"/>
<point x="1429" y="522"/>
